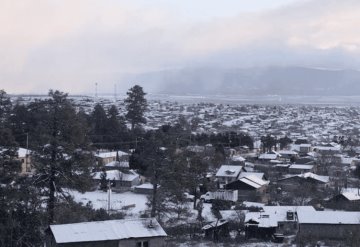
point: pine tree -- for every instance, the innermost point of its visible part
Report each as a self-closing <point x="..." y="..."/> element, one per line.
<point x="98" y="124"/>
<point x="5" y="105"/>
<point x="103" y="180"/>
<point x="63" y="158"/>
<point x="136" y="106"/>
<point x="116" y="128"/>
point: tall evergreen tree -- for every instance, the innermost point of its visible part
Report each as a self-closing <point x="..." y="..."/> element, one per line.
<point x="5" y="105"/>
<point x="98" y="123"/>
<point x="136" y="106"/>
<point x="62" y="159"/>
<point x="116" y="128"/>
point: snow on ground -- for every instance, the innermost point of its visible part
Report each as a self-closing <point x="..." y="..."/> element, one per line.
<point x="135" y="204"/>
<point x="206" y="213"/>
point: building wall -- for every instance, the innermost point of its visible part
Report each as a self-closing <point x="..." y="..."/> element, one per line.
<point x="26" y="165"/>
<point x="88" y="244"/>
<point x="300" y="171"/>
<point x="258" y="195"/>
<point x="104" y="161"/>
<point x="153" y="242"/>
<point x="326" y="231"/>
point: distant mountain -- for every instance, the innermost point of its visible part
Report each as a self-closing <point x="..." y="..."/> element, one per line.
<point x="255" y="81"/>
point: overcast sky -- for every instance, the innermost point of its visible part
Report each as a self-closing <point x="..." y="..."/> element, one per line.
<point x="71" y="44"/>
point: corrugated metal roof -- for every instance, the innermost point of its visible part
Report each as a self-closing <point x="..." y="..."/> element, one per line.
<point x="107" y="230"/>
<point x="329" y="217"/>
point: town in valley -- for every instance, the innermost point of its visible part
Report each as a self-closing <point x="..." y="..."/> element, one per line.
<point x="180" y="173"/>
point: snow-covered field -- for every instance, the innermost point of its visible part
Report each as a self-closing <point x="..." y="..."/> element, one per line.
<point x="132" y="204"/>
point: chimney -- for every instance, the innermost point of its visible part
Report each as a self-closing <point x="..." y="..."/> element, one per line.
<point x="290" y="215"/>
<point x="150" y="224"/>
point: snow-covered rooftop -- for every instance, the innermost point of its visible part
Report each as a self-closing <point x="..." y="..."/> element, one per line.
<point x="301" y="167"/>
<point x="287" y="152"/>
<point x="118" y="175"/>
<point x="253" y="204"/>
<point x="271" y="215"/>
<point x="260" y="175"/>
<point x="107" y="230"/>
<point x="118" y="164"/>
<point x="146" y="186"/>
<point x="352" y="194"/>
<point x="268" y="156"/>
<point x="323" y="179"/>
<point x="237" y="158"/>
<point x="254" y="181"/>
<point x="229" y="171"/>
<point x="329" y="217"/>
<point x="22" y="152"/>
<point x="104" y="155"/>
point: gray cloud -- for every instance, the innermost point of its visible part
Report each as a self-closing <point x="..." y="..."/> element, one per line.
<point x="70" y="45"/>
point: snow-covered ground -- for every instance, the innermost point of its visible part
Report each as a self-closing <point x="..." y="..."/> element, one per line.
<point x="132" y="204"/>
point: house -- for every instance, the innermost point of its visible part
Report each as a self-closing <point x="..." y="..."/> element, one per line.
<point x="294" y="182"/>
<point x="24" y="156"/>
<point x="227" y="174"/>
<point x="118" y="165"/>
<point x="305" y="160"/>
<point x="267" y="157"/>
<point x="110" y="233"/>
<point x="274" y="219"/>
<point x="103" y="158"/>
<point x="123" y="180"/>
<point x="237" y="160"/>
<point x="348" y="199"/>
<point x="145" y="188"/>
<point x="259" y="175"/>
<point x="249" y="167"/>
<point x="330" y="148"/>
<point x="304" y="148"/>
<point x="299" y="168"/>
<point x="288" y="155"/>
<point x="250" y="187"/>
<point x="216" y="230"/>
<point x="328" y="224"/>
<point x="282" y="168"/>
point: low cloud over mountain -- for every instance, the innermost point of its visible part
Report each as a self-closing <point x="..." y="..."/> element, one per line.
<point x="254" y="81"/>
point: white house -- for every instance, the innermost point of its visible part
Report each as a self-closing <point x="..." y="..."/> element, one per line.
<point x="227" y="174"/>
<point x="120" y="233"/>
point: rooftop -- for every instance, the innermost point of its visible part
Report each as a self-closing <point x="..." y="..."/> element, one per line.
<point x="228" y="171"/>
<point x="107" y="230"/>
<point x="329" y="217"/>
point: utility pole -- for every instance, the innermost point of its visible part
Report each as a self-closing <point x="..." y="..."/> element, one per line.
<point x="27" y="154"/>
<point x="109" y="197"/>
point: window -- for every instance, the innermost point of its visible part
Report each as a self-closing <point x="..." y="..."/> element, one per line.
<point x="142" y="244"/>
